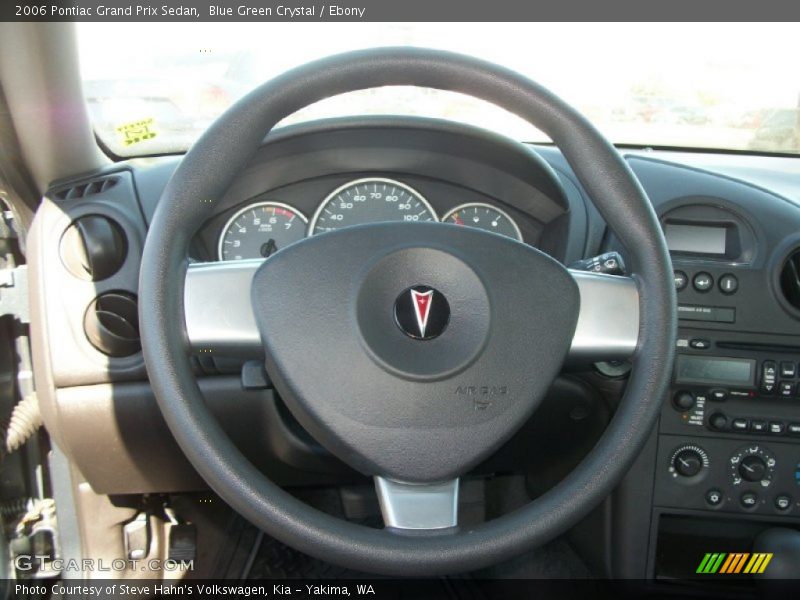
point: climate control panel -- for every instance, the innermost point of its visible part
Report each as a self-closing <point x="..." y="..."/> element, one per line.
<point x="726" y="475"/>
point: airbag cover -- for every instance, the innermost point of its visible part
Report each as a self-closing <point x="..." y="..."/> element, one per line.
<point x="387" y="403"/>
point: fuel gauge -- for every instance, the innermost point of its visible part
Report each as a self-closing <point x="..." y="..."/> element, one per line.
<point x="485" y="217"/>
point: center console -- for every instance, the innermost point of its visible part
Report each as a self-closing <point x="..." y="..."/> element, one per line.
<point x="727" y="457"/>
<point x="730" y="432"/>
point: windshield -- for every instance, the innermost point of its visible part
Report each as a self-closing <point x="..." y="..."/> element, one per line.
<point x="715" y="86"/>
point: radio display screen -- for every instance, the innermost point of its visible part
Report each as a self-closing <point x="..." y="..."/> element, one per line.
<point x="695" y="239"/>
<point x="715" y="370"/>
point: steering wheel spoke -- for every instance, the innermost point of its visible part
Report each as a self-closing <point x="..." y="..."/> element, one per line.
<point x="418" y="506"/>
<point x="219" y="314"/>
<point x="608" y="322"/>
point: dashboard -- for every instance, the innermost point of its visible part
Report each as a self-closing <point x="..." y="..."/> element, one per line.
<point x="724" y="461"/>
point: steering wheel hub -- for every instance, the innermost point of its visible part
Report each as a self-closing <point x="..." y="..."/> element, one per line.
<point x="388" y="403"/>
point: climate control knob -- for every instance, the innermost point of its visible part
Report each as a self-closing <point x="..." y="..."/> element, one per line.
<point x="752" y="468"/>
<point x="688" y="461"/>
<point x="752" y="464"/>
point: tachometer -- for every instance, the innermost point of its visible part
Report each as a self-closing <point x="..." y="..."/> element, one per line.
<point x="371" y="200"/>
<point x="486" y="217"/>
<point x="259" y="230"/>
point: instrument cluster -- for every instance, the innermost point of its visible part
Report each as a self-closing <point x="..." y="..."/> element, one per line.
<point x="262" y="228"/>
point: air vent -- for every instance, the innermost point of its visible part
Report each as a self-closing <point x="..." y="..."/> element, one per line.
<point x="111" y="324"/>
<point x="89" y="188"/>
<point x="93" y="247"/>
<point x="790" y="279"/>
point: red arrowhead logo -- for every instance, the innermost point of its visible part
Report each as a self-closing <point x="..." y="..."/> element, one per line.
<point x="422" y="308"/>
<point x="421" y="312"/>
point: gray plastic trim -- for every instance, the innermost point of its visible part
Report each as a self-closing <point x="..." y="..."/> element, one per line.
<point x="219" y="316"/>
<point x="418" y="506"/>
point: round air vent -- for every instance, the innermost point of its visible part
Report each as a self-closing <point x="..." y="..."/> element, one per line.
<point x="111" y="324"/>
<point x="790" y="279"/>
<point x="93" y="247"/>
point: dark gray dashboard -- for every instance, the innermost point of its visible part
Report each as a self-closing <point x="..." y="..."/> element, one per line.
<point x="99" y="408"/>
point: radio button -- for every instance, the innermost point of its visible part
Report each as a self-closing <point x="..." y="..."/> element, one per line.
<point x="683" y="400"/>
<point x="703" y="281"/>
<point x="794" y="428"/>
<point x="719" y="421"/>
<point x="786" y="389"/>
<point x="700" y="344"/>
<point x="788" y="369"/>
<point x="769" y="373"/>
<point x="777" y="427"/>
<point x="681" y="280"/>
<point x="728" y="284"/>
<point x="739" y="425"/>
<point x="758" y="426"/>
<point x="718" y="394"/>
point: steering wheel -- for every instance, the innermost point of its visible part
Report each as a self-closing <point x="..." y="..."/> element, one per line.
<point x="421" y="347"/>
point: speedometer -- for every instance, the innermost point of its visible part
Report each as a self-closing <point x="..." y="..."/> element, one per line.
<point x="371" y="200"/>
<point x="259" y="230"/>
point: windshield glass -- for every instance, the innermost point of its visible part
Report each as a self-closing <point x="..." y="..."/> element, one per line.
<point x="720" y="86"/>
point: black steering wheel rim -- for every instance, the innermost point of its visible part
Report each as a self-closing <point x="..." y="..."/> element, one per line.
<point x="202" y="178"/>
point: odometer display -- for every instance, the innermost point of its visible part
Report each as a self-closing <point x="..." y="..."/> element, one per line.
<point x="370" y="201"/>
<point x="260" y="230"/>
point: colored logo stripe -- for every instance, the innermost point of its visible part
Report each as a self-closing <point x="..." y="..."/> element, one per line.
<point x="736" y="562"/>
<point x="758" y="563"/>
<point x="711" y="562"/>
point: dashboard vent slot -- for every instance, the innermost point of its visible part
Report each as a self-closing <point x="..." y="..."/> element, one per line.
<point x="111" y="324"/>
<point x="89" y="188"/>
<point x="790" y="279"/>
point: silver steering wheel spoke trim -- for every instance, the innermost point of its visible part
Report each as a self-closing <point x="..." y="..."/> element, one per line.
<point x="418" y="506"/>
<point x="219" y="316"/>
